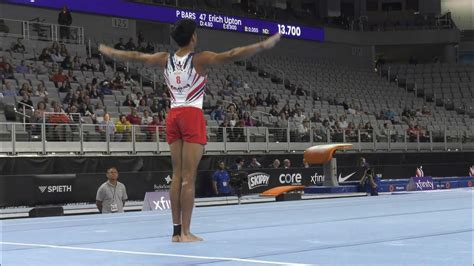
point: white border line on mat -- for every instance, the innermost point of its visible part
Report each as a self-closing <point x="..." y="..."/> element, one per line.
<point x="152" y="254"/>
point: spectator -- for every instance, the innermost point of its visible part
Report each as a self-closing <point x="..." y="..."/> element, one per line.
<point x="65" y="20"/>
<point x="286" y="164"/>
<point x="38" y="115"/>
<point x="128" y="101"/>
<point x="274" y="111"/>
<point x="271" y="99"/>
<point x="7" y="72"/>
<point x="120" y="45"/>
<point x="254" y="164"/>
<point x="59" y="120"/>
<point x="56" y="57"/>
<point x="282" y="122"/>
<point x="220" y="181"/>
<point x="130" y="46"/>
<point x="140" y="37"/>
<point x="142" y="106"/>
<point x="66" y="87"/>
<point x="59" y="77"/>
<point x="106" y="88"/>
<point x="218" y="113"/>
<point x="150" y="48"/>
<point x="133" y="117"/>
<point x="107" y="127"/>
<point x="66" y="63"/>
<point x="124" y="128"/>
<point x="45" y="55"/>
<point x="18" y="47"/>
<point x="42" y="68"/>
<point x="304" y="131"/>
<point x="117" y="82"/>
<point x="259" y="99"/>
<point x="299" y="117"/>
<point x="25" y="88"/>
<point x="22" y="68"/>
<point x="111" y="195"/>
<point x="248" y="121"/>
<point x="25" y="106"/>
<point x="70" y="76"/>
<point x="94" y="93"/>
<point x="275" y="164"/>
<point x="88" y="66"/>
<point x="99" y="110"/>
<point x="155" y="106"/>
<point x="239" y="164"/>
<point x="305" y="164"/>
<point x="3" y="62"/>
<point x="146" y="119"/>
<point x="156" y="124"/>
<point x="342" y="123"/>
<point x="76" y="63"/>
<point x="316" y="118"/>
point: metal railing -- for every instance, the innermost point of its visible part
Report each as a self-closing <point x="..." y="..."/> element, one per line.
<point x="108" y="138"/>
<point x="38" y="30"/>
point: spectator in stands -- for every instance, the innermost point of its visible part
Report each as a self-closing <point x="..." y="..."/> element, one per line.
<point x="65" y="20"/>
<point x="7" y="72"/>
<point x="133" y="117"/>
<point x="282" y="121"/>
<point x="58" y="77"/>
<point x="298" y="117"/>
<point x="40" y="91"/>
<point x="117" y="82"/>
<point x="124" y="128"/>
<point x="150" y="48"/>
<point x="25" y="104"/>
<point x="248" y="121"/>
<point x="4" y="28"/>
<point x="286" y="164"/>
<point x="275" y="164"/>
<point x="146" y="118"/>
<point x="254" y="164"/>
<point x="286" y="110"/>
<point x="305" y="164"/>
<point x="129" y="102"/>
<point x="120" y="45"/>
<point x="42" y="68"/>
<point x="140" y="37"/>
<point x="259" y="99"/>
<point x="65" y="86"/>
<point x="107" y="127"/>
<point x="45" y="55"/>
<point x="304" y="131"/>
<point x="59" y="120"/>
<point x="239" y="164"/>
<point x="3" y="62"/>
<point x="366" y="134"/>
<point x="22" y="68"/>
<point x="271" y="99"/>
<point x="76" y="63"/>
<point x="157" y="124"/>
<point x="274" y="111"/>
<point x="342" y="123"/>
<point x="38" y="115"/>
<point x="99" y="110"/>
<point x="218" y="113"/>
<point x="106" y="88"/>
<point x="9" y="89"/>
<point x="25" y="89"/>
<point x="18" y="47"/>
<point x="88" y="66"/>
<point x="56" y="57"/>
<point x="130" y="46"/>
<point x="94" y="93"/>
<point x="252" y="102"/>
<point x="111" y="195"/>
<point x="316" y="118"/>
<point x="220" y="181"/>
<point x="70" y="76"/>
<point x="66" y="63"/>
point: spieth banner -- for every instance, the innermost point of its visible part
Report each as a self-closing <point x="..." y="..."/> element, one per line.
<point x="157" y="201"/>
<point x="421" y="183"/>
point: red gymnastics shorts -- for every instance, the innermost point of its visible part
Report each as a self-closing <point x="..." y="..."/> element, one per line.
<point x="186" y="123"/>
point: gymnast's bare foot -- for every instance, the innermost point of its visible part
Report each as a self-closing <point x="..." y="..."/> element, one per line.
<point x="190" y="238"/>
<point x="176" y="239"/>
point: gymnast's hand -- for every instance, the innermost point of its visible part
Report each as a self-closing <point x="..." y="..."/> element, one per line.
<point x="271" y="42"/>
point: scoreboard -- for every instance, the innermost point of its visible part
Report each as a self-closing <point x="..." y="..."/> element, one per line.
<point x="141" y="11"/>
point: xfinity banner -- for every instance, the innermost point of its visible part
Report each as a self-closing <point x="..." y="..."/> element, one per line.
<point x="421" y="183"/>
<point x="157" y="201"/>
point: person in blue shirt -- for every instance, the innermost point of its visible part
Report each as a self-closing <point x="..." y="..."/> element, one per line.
<point x="220" y="181"/>
<point x="369" y="181"/>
